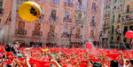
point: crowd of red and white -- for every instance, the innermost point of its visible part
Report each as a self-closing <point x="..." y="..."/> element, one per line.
<point x="64" y="57"/>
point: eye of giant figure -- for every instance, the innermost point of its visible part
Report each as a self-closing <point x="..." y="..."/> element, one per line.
<point x="33" y="11"/>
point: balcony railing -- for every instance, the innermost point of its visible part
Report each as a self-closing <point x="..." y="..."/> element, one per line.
<point x="76" y="40"/>
<point x="128" y="16"/>
<point x="20" y="32"/>
<point x="67" y="19"/>
<point x="36" y="33"/>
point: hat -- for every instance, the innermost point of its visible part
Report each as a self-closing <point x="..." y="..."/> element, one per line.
<point x="97" y="64"/>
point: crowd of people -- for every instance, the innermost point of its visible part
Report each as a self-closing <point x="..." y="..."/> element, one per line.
<point x="16" y="56"/>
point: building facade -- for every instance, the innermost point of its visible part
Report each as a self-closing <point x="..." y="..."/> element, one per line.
<point x="64" y="22"/>
<point x="5" y="18"/>
<point x="117" y="21"/>
<point x="113" y="22"/>
<point x="127" y="18"/>
<point x="95" y="19"/>
<point x="106" y="25"/>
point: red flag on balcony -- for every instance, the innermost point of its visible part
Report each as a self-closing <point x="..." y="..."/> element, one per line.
<point x="129" y="34"/>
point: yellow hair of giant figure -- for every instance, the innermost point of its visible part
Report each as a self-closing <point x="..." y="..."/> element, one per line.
<point x="29" y="11"/>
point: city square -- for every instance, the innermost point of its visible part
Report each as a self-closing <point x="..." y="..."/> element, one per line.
<point x="66" y="33"/>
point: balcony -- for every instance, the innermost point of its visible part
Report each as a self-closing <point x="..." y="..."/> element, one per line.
<point x="53" y="18"/>
<point x="66" y="19"/>
<point x="36" y="33"/>
<point x="106" y="26"/>
<point x="128" y="17"/>
<point x="20" y="32"/>
<point x="76" y="40"/>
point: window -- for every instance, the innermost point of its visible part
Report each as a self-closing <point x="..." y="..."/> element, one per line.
<point x="53" y="15"/>
<point x="112" y="29"/>
<point x="125" y="29"/>
<point x="67" y="17"/>
<point x="55" y="1"/>
<point x="37" y="30"/>
<point x="93" y="22"/>
<point x="113" y="19"/>
<point x="118" y="29"/>
<point x="51" y="34"/>
<point x="80" y="2"/>
<point x="78" y="33"/>
<point x="65" y="34"/>
<point x="114" y="8"/>
<point x="80" y="5"/>
<point x="131" y="27"/>
<point x="94" y="8"/>
<point x="92" y="33"/>
<point x="1" y="6"/>
<point x="68" y="3"/>
<point x="119" y="17"/>
<point x="21" y="28"/>
<point x="128" y="9"/>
